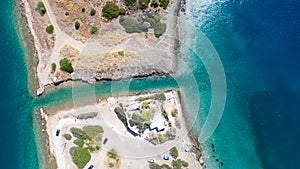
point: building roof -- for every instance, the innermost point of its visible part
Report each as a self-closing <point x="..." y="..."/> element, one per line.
<point x="158" y="124"/>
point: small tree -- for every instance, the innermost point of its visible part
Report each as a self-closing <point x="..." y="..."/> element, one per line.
<point x="53" y="67"/>
<point x="93" y="12"/>
<point x="129" y="2"/>
<point x="122" y="11"/>
<point x="77" y="25"/>
<point x="159" y="29"/>
<point x="174" y="152"/>
<point x="110" y="11"/>
<point x="66" y="65"/>
<point x="164" y="3"/>
<point x="50" y="29"/>
<point x="40" y="8"/>
<point x="94" y="30"/>
<point x="144" y="4"/>
<point x="155" y="3"/>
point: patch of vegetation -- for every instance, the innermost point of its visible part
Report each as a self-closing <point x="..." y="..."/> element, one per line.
<point x="87" y="115"/>
<point x="179" y="164"/>
<point x="147" y="115"/>
<point x="66" y="65"/>
<point x="50" y="29"/>
<point x="155" y="3"/>
<point x="122" y="11"/>
<point x="157" y="166"/>
<point x="112" y="154"/>
<point x="67" y="136"/>
<point x="121" y="116"/>
<point x="137" y="121"/>
<point x="170" y="135"/>
<point x="79" y="142"/>
<point x="165" y="114"/>
<point x="130" y="25"/>
<point x="174" y="113"/>
<point x="53" y="67"/>
<point x="80" y="156"/>
<point x="144" y="4"/>
<point x="92" y="12"/>
<point x="130" y="2"/>
<point x="164" y="3"/>
<point x="94" y="132"/>
<point x="121" y="53"/>
<point x="159" y="29"/>
<point x="174" y="152"/>
<point x="161" y="97"/>
<point x="78" y="133"/>
<point x="145" y="105"/>
<point x="110" y="11"/>
<point x="40" y="8"/>
<point x="77" y="25"/>
<point x="94" y="30"/>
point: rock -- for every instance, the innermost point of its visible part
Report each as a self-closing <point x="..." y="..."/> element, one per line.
<point x="40" y="91"/>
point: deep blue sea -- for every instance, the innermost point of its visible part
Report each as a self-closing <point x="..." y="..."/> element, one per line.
<point x="258" y="43"/>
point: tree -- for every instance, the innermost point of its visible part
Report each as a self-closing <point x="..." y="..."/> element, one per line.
<point x="159" y="29"/>
<point x="110" y="11"/>
<point x="144" y="4"/>
<point x="40" y="8"/>
<point x="50" y="29"/>
<point x="130" y="2"/>
<point x="93" y="12"/>
<point x="94" y="30"/>
<point x="164" y="3"/>
<point x="174" y="152"/>
<point x="155" y="3"/>
<point x="122" y="11"/>
<point x="53" y="67"/>
<point x="80" y="156"/>
<point x="66" y="65"/>
<point x="77" y="25"/>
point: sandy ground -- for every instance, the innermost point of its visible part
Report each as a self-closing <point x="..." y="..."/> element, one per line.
<point x="134" y="151"/>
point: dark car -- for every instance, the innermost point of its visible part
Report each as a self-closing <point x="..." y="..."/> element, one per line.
<point x="57" y="132"/>
<point x="91" y="167"/>
<point x="105" y="140"/>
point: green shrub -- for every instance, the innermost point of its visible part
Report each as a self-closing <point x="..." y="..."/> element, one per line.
<point x="40" y="8"/>
<point x="164" y="3"/>
<point x="77" y="132"/>
<point x="121" y="116"/>
<point x="80" y="156"/>
<point x="110" y="11"/>
<point x="53" y="67"/>
<point x="145" y="105"/>
<point x="178" y="164"/>
<point x="155" y="3"/>
<point x="130" y="25"/>
<point x="92" y="12"/>
<point x="87" y="115"/>
<point x="174" y="113"/>
<point x="112" y="154"/>
<point x="159" y="29"/>
<point x="122" y="11"/>
<point x="66" y="65"/>
<point x="94" y="30"/>
<point x="79" y="142"/>
<point x="77" y="25"/>
<point x="68" y="136"/>
<point x="129" y="2"/>
<point x="94" y="132"/>
<point x="144" y="4"/>
<point x="157" y="166"/>
<point x="121" y="53"/>
<point x="174" y="152"/>
<point x="50" y="29"/>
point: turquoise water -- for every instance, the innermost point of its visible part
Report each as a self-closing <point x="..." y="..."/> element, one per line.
<point x="254" y="104"/>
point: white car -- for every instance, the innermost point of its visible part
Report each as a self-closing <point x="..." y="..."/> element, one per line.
<point x="151" y="161"/>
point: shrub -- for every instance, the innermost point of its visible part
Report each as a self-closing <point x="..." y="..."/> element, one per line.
<point x="77" y="132"/>
<point x="87" y="115"/>
<point x="94" y="132"/>
<point x="110" y="11"/>
<point x="112" y="154"/>
<point x="157" y="166"/>
<point x="164" y="3"/>
<point x="159" y="29"/>
<point x="145" y="105"/>
<point x="121" y="116"/>
<point x="53" y="67"/>
<point x="92" y="12"/>
<point x="121" y="53"/>
<point x="178" y="164"/>
<point x="94" y="30"/>
<point x="174" y="113"/>
<point x="80" y="156"/>
<point x="50" y="29"/>
<point x="77" y="25"/>
<point x="66" y="65"/>
<point x="130" y="25"/>
<point x="174" y="152"/>
<point x="79" y="142"/>
<point x="68" y="136"/>
<point x="40" y="8"/>
<point x="144" y="4"/>
<point x="122" y="11"/>
<point x="129" y="2"/>
<point x="154" y="3"/>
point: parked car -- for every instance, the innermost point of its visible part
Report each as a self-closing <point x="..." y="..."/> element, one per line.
<point x="105" y="140"/>
<point x="91" y="167"/>
<point x="57" y="132"/>
<point x="166" y="158"/>
<point x="151" y="161"/>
